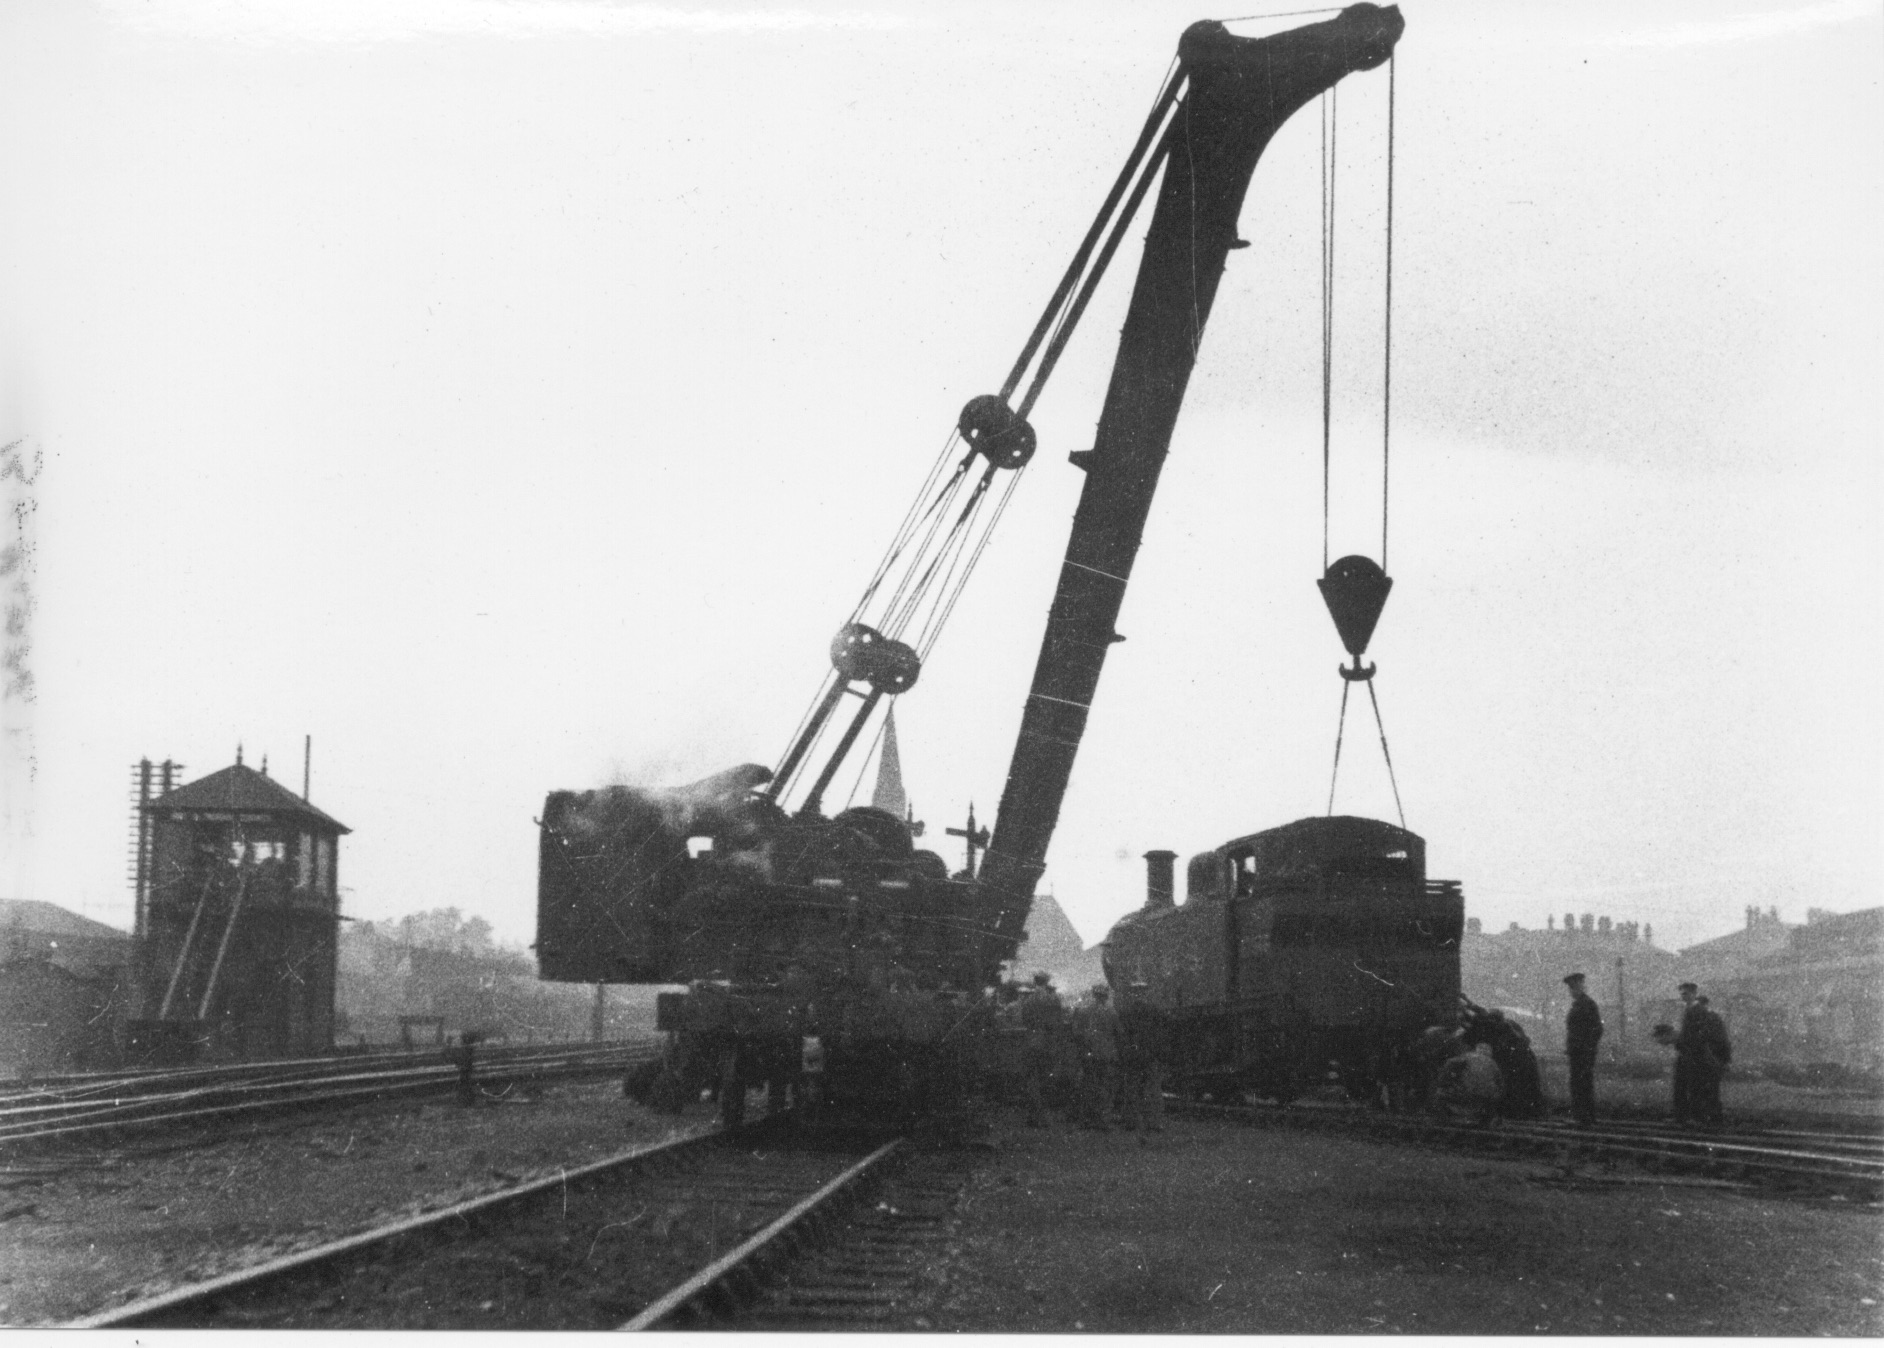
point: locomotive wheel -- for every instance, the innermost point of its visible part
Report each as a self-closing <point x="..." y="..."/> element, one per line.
<point x="668" y="1094"/>
<point x="638" y="1083"/>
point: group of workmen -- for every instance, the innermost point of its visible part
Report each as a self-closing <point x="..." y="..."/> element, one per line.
<point x="1702" y="1052"/>
<point x="1115" y="1060"/>
<point x="1504" y="1082"/>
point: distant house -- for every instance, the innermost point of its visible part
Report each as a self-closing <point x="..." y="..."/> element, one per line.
<point x="1764" y="934"/>
<point x="1522" y="969"/>
<point x="35" y="928"/>
<point x="62" y="989"/>
<point x="1817" y="997"/>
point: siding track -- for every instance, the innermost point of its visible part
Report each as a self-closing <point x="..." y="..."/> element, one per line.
<point x="1846" y="1163"/>
<point x="683" y="1231"/>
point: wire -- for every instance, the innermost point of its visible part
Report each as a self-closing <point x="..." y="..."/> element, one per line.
<point x="1386" y="379"/>
<point x="1284" y="14"/>
<point x="1190" y="160"/>
<point x="1384" y="753"/>
<point x="1329" y="128"/>
<point x="1341" y="725"/>
<point x="911" y="521"/>
<point x="1000" y="509"/>
<point x="1051" y="358"/>
<point x="927" y="563"/>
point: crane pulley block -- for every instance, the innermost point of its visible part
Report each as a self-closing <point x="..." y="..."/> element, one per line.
<point x="1355" y="590"/>
<point x="862" y="654"/>
<point x="996" y="431"/>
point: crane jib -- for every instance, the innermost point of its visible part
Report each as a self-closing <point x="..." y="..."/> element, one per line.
<point x="1237" y="93"/>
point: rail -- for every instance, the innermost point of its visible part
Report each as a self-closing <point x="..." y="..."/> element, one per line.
<point x="157" y="1102"/>
<point x="437" y="1264"/>
<point x="719" y="1277"/>
<point x="1851" y="1163"/>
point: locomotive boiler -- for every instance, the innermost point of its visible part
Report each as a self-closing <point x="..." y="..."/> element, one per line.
<point x="1315" y="948"/>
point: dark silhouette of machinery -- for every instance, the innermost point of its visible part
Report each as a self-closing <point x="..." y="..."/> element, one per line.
<point x="836" y="941"/>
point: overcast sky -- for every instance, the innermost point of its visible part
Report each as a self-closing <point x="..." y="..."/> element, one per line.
<point x="516" y="396"/>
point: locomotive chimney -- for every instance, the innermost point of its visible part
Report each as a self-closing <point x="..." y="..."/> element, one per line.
<point x="1159" y="885"/>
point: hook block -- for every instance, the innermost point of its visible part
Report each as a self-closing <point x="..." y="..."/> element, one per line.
<point x="1355" y="590"/>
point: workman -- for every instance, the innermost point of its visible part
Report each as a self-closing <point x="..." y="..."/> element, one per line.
<point x="1096" y="1031"/>
<point x="1686" y="1043"/>
<point x="1511" y="1050"/>
<point x="1043" y="1016"/>
<point x="1141" y="1060"/>
<point x="1466" y="1078"/>
<point x="1582" y="1031"/>
<point x="464" y="1055"/>
<point x="1702" y="1048"/>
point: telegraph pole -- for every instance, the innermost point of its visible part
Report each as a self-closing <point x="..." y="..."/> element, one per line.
<point x="1622" y="1010"/>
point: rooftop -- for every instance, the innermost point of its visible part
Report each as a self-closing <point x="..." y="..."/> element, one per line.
<point x="239" y="788"/>
<point x="49" y="919"/>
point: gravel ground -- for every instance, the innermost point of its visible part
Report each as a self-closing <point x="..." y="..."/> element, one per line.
<point x="79" y="1235"/>
<point x="1206" y="1228"/>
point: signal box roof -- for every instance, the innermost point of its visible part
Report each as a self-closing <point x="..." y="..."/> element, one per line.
<point x="243" y="789"/>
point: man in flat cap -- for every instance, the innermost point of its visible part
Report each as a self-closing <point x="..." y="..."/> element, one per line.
<point x="1583" y="1030"/>
<point x="1686" y="1043"/>
<point x="1703" y="1045"/>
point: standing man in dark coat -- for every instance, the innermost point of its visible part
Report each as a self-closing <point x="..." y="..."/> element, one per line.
<point x="1582" y="1031"/>
<point x="1711" y="1053"/>
<point x="1043" y="1016"/>
<point x="1688" y="1059"/>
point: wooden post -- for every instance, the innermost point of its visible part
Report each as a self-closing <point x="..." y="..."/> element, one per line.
<point x="1622" y="1010"/>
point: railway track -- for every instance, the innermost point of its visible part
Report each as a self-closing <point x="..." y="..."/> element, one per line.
<point x="689" y="1231"/>
<point x="100" y="1109"/>
<point x="1819" y="1161"/>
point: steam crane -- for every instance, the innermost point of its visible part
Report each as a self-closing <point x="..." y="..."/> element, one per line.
<point x="793" y="929"/>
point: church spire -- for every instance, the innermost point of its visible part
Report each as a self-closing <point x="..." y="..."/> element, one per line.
<point x="889" y="793"/>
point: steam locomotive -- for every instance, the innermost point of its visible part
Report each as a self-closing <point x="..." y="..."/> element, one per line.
<point x="1312" y="948"/>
